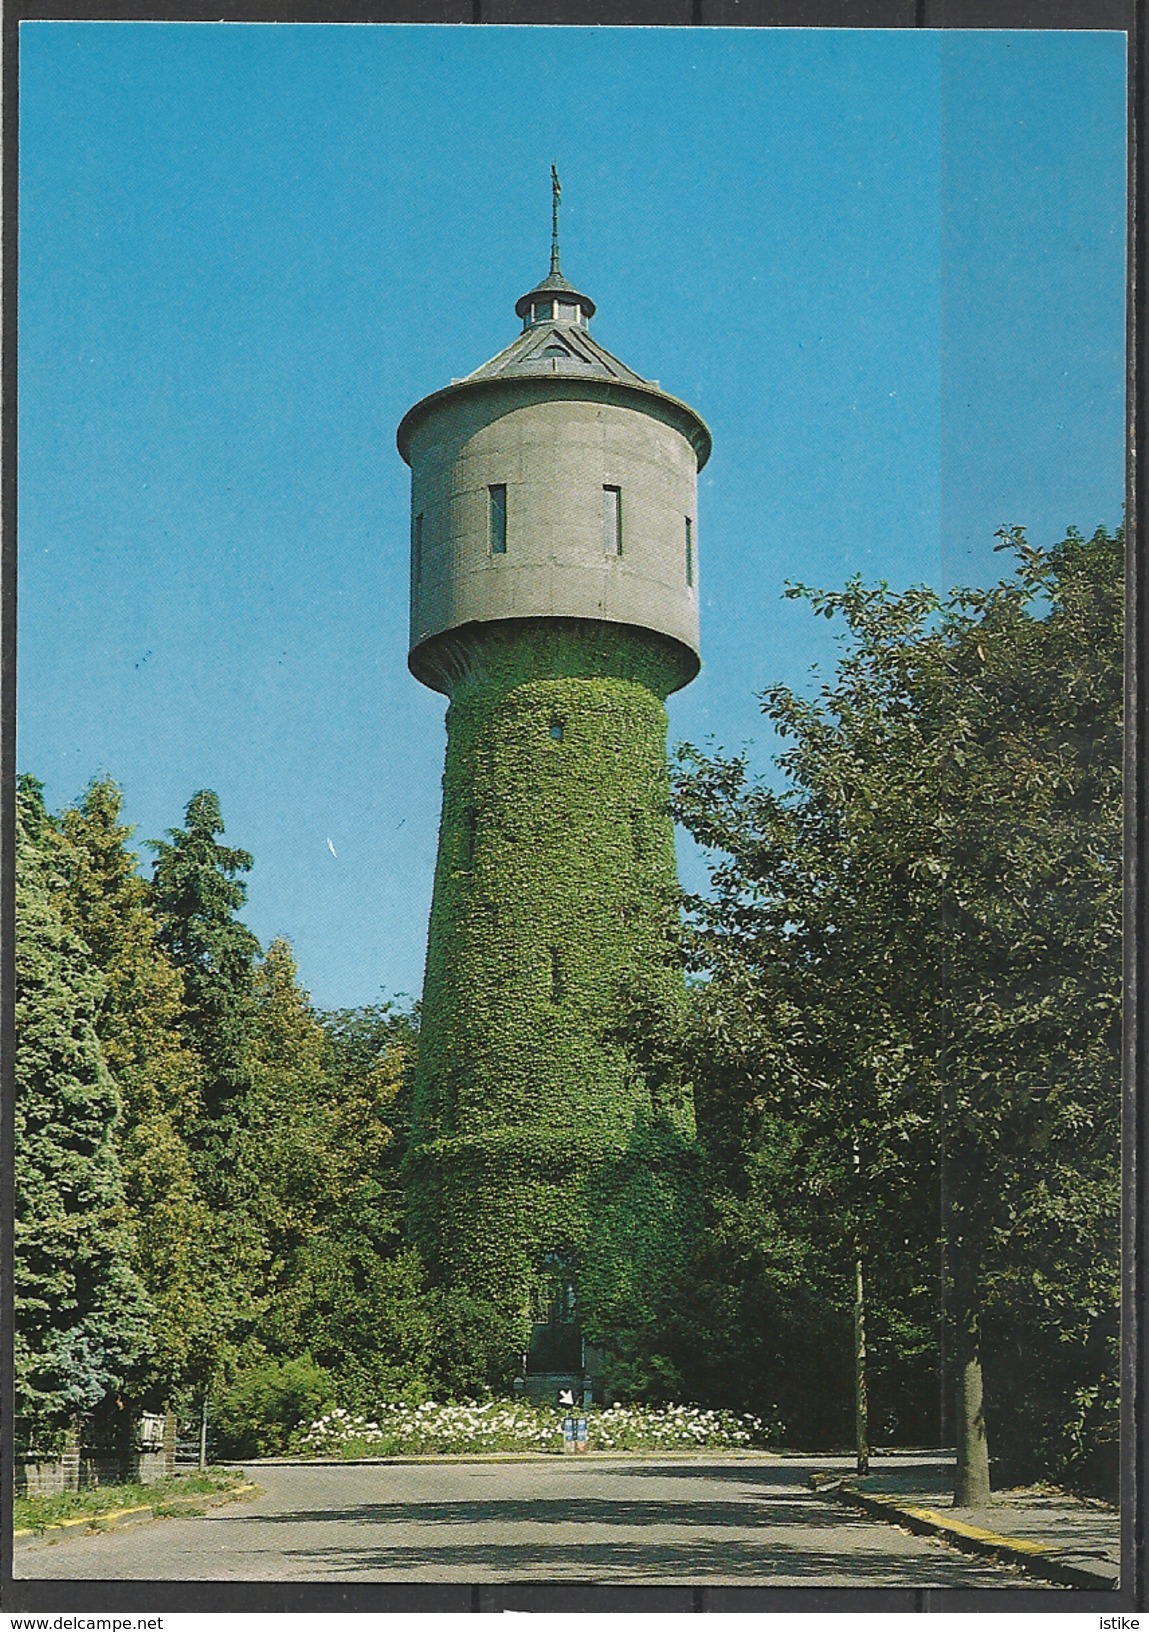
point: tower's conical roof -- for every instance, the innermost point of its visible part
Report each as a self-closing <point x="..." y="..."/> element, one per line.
<point x="555" y="339"/>
<point x="555" y="347"/>
<point x="555" y="344"/>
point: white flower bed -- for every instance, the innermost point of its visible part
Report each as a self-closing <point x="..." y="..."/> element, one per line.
<point x="514" y="1425"/>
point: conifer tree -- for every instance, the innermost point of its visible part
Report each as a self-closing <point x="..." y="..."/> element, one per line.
<point x="139" y="1026"/>
<point x="82" y="1317"/>
<point x="196" y="891"/>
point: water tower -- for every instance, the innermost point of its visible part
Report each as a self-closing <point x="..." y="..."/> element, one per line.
<point x="554" y="601"/>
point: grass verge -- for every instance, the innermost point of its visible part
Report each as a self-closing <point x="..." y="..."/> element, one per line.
<point x="183" y="1493"/>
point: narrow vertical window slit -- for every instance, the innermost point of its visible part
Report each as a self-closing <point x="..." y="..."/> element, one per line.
<point x="497" y="518"/>
<point x="612" y="520"/>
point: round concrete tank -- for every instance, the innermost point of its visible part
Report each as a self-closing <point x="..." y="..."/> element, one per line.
<point x="552" y="483"/>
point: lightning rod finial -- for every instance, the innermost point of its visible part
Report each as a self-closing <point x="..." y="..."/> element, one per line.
<point x="556" y="193"/>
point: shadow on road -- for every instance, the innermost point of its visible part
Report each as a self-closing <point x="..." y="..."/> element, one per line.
<point x="775" y="1475"/>
<point x="690" y="1561"/>
<point x="581" y="1509"/>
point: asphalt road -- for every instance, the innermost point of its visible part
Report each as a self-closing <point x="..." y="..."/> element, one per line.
<point x="715" y="1522"/>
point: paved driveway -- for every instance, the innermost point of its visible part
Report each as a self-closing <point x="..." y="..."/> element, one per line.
<point x="743" y="1523"/>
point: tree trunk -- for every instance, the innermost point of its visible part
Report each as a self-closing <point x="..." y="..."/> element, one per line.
<point x="203" y="1434"/>
<point x="971" y="1476"/>
<point x="861" y="1398"/>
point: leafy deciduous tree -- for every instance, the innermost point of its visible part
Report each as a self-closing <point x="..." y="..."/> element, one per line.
<point x="914" y="947"/>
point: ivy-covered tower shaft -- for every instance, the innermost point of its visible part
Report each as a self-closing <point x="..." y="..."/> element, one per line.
<point x="554" y="600"/>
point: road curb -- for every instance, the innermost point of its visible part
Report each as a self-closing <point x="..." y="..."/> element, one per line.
<point x="732" y="1457"/>
<point x="1031" y="1556"/>
<point x="117" y="1516"/>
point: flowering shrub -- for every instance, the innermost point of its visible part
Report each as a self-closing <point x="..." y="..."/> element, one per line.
<point x="515" y="1425"/>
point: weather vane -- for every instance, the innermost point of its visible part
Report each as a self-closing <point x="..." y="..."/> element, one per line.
<point x="556" y="194"/>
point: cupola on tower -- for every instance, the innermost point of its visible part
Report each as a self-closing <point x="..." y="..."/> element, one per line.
<point x="554" y="601"/>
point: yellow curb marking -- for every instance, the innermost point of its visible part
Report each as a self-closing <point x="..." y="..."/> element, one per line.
<point x="975" y="1532"/>
<point x="957" y="1526"/>
<point x="124" y="1512"/>
<point x="89" y="1518"/>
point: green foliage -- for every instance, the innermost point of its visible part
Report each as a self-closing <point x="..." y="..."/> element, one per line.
<point x="275" y="1224"/>
<point x="904" y="1049"/>
<point x="915" y="964"/>
<point x="638" y="1280"/>
<point x="284" y="1148"/>
<point x="320" y="1152"/>
<point x="360" y="1300"/>
<point x="181" y="1493"/>
<point x="1084" y="1446"/>
<point x="82" y="1319"/>
<point x="474" y="1345"/>
<point x="139" y="1027"/>
<point x="554" y="904"/>
<point x="265" y="1404"/>
<point x="555" y="857"/>
<point x="196" y="892"/>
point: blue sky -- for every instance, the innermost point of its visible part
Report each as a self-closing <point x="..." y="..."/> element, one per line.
<point x="886" y="267"/>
